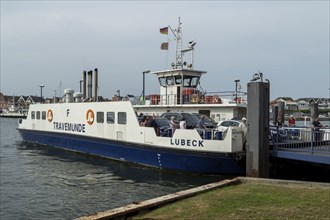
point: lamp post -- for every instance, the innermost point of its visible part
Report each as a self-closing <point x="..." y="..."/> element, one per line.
<point x="236" y="85"/>
<point x="41" y="86"/>
<point x="143" y="88"/>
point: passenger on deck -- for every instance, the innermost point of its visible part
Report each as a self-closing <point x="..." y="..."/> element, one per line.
<point x="173" y="125"/>
<point x="200" y="123"/>
<point x="292" y="121"/>
<point x="242" y="124"/>
<point x="152" y="123"/>
<point x="183" y="124"/>
<point x="144" y="121"/>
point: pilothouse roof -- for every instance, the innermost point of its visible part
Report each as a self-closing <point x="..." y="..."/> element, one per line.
<point x="175" y="72"/>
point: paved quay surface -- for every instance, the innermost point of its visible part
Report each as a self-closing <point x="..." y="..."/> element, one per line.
<point x="144" y="206"/>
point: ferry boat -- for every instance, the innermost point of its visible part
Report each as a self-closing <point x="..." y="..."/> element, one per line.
<point x="112" y="130"/>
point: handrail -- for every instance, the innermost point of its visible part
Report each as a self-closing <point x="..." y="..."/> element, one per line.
<point x="300" y="139"/>
<point x="194" y="98"/>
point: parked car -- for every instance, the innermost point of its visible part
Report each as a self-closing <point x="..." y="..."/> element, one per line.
<point x="191" y="120"/>
<point x="223" y="125"/>
<point x="163" y="124"/>
<point x="209" y="122"/>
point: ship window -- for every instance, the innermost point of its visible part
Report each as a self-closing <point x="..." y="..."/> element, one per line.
<point x="194" y="81"/>
<point x="169" y="80"/>
<point x="110" y="117"/>
<point x="33" y="115"/>
<point x="121" y="117"/>
<point x="162" y="81"/>
<point x="186" y="82"/>
<point x="178" y="80"/>
<point x="190" y="81"/>
<point x="99" y="117"/>
<point x="38" y="115"/>
<point x="43" y="115"/>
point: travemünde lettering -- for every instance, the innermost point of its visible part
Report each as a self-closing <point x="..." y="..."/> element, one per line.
<point x="187" y="142"/>
<point x="69" y="127"/>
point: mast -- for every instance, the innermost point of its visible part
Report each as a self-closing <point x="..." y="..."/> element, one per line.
<point x="178" y="54"/>
<point x="179" y="51"/>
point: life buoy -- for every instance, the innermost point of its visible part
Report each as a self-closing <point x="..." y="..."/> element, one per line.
<point x="90" y="116"/>
<point x="50" y="115"/>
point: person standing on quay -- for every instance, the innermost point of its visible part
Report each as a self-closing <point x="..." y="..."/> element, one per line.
<point x="279" y="122"/>
<point x="316" y="127"/>
<point x="292" y="121"/>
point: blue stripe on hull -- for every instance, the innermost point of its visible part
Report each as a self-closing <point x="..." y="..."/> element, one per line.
<point x="188" y="161"/>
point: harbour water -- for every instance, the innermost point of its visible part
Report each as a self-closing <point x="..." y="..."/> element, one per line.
<point x="41" y="182"/>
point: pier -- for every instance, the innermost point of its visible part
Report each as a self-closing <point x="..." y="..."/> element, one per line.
<point x="301" y="144"/>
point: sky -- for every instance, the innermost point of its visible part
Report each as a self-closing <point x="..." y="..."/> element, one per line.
<point x="51" y="43"/>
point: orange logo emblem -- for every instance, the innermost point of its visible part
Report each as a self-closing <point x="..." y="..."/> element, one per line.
<point x="50" y="115"/>
<point x="90" y="116"/>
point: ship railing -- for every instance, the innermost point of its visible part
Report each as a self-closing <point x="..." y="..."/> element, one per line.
<point x="194" y="98"/>
<point x="211" y="134"/>
<point x="300" y="139"/>
<point x="207" y="134"/>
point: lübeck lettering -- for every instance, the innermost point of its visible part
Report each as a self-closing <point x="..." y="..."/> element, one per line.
<point x="69" y="127"/>
<point x="187" y="142"/>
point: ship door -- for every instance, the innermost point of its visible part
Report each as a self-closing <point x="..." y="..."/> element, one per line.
<point x="110" y="125"/>
<point x="121" y="126"/>
<point x="205" y="112"/>
<point x="178" y="95"/>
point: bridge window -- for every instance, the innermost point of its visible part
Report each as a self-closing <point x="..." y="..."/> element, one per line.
<point x="38" y="115"/>
<point x="162" y="81"/>
<point x="99" y="117"/>
<point x="190" y="81"/>
<point x="110" y="117"/>
<point x="169" y="80"/>
<point x="178" y="80"/>
<point x="121" y="117"/>
<point x="33" y="115"/>
<point x="194" y="81"/>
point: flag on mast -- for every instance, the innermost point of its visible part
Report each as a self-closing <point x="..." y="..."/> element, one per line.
<point x="164" y="46"/>
<point x="164" y="30"/>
